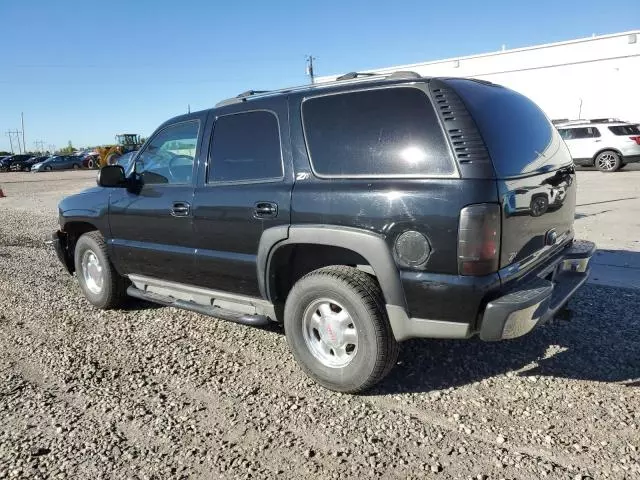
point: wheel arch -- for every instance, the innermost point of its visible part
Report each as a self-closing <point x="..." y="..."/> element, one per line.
<point x="324" y="245"/>
<point x="73" y="230"/>
<point x="612" y="149"/>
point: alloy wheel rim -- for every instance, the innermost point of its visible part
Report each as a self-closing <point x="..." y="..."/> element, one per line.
<point x="330" y="333"/>
<point x="92" y="272"/>
<point x="606" y="161"/>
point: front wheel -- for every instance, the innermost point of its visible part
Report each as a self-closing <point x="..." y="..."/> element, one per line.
<point x="99" y="281"/>
<point x="337" y="328"/>
<point x="608" y="161"/>
<point x="76" y="166"/>
<point x="48" y="168"/>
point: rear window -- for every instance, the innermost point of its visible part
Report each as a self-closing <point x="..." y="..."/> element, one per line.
<point x="381" y="132"/>
<point x="515" y="130"/>
<point x="625" y="130"/>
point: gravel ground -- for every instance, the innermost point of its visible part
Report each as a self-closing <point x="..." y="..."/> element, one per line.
<point x="151" y="392"/>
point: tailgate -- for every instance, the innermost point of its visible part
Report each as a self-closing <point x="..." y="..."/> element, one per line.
<point x="537" y="215"/>
<point x="533" y="170"/>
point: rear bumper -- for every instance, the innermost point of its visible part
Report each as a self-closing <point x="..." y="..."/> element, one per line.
<point x="492" y="308"/>
<point x="533" y="303"/>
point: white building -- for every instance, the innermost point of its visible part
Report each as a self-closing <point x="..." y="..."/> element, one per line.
<point x="595" y="77"/>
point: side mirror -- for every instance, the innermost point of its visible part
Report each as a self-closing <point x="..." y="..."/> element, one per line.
<point x="112" y="176"/>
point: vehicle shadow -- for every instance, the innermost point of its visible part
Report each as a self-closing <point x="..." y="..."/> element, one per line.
<point x="600" y="343"/>
<point x="133" y="304"/>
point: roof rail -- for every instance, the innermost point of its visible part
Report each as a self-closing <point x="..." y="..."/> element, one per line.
<point x="351" y="77"/>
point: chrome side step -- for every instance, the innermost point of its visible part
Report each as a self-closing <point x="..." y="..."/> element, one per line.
<point x="212" y="311"/>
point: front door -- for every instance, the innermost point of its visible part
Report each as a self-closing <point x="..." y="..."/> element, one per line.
<point x="152" y="226"/>
<point x="243" y="189"/>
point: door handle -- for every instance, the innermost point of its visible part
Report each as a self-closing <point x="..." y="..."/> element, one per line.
<point x="180" y="209"/>
<point x="265" y="210"/>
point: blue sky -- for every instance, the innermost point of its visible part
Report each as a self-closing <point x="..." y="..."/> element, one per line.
<point x="86" y="70"/>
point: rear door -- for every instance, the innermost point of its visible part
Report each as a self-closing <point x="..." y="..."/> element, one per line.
<point x="583" y="142"/>
<point x="152" y="226"/>
<point x="243" y="189"/>
<point x="534" y="170"/>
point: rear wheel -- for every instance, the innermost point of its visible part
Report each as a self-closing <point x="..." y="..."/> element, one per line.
<point x="99" y="281"/>
<point x="608" y="161"/>
<point x="337" y="328"/>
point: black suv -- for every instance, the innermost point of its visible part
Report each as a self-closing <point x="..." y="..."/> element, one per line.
<point x="358" y="213"/>
<point x="9" y="163"/>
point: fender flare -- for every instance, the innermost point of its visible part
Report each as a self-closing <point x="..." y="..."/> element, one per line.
<point x="371" y="246"/>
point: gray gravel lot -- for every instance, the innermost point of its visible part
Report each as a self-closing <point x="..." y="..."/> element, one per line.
<point x="151" y="392"/>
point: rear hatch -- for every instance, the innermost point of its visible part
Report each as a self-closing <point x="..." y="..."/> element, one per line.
<point x="534" y="171"/>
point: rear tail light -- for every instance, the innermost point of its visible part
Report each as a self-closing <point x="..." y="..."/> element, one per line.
<point x="635" y="139"/>
<point x="479" y="239"/>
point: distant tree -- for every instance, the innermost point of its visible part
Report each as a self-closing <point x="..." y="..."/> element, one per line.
<point x="2" y="154"/>
<point x="68" y="149"/>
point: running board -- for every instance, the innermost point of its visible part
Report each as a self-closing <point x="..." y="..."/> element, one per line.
<point x="217" y="312"/>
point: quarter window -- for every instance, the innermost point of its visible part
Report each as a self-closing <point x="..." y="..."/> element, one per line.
<point x="625" y="130"/>
<point x="245" y="147"/>
<point x="390" y="131"/>
<point x="169" y="157"/>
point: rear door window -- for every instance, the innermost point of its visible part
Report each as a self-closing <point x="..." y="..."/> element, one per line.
<point x="246" y="147"/>
<point x="379" y="132"/>
<point x="515" y="130"/>
<point x="579" y="133"/>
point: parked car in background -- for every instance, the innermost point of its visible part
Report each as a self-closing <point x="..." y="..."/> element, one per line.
<point x="606" y="144"/>
<point x="90" y="160"/>
<point x="7" y="163"/>
<point x="25" y="165"/>
<point x="58" y="162"/>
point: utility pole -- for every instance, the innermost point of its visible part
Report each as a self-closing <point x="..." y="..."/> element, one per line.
<point x="39" y="144"/>
<point x="9" y="134"/>
<point x="23" y="143"/>
<point x="310" y="59"/>
<point x="188" y="108"/>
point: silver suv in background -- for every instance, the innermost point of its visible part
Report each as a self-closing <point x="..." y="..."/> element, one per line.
<point x="606" y="144"/>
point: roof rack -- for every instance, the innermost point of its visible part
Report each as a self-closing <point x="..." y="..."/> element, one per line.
<point x="587" y="121"/>
<point x="351" y="77"/>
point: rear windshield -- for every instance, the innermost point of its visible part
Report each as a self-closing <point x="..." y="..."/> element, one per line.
<point x="380" y="132"/>
<point x="515" y="130"/>
<point x="625" y="130"/>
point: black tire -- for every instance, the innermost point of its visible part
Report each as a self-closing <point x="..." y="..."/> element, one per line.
<point x="48" y="168"/>
<point x="114" y="287"/>
<point x="360" y="294"/>
<point x="608" y="161"/>
<point x="76" y="166"/>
